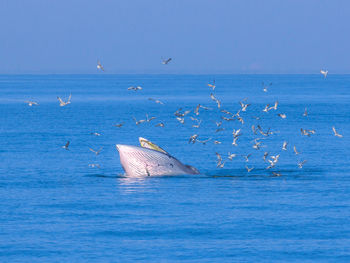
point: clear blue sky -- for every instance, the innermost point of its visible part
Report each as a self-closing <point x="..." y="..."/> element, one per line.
<point x="202" y="36"/>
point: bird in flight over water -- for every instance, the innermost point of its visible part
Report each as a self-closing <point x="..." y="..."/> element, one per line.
<point x="166" y="61"/>
<point x="64" y="103"/>
<point x="99" y="66"/>
<point x="324" y="73"/>
<point x="66" y="145"/>
<point x="31" y="103"/>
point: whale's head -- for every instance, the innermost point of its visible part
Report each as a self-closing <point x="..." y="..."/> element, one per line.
<point x="139" y="161"/>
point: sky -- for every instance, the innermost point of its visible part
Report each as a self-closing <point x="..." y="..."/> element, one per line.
<point x="201" y="36"/>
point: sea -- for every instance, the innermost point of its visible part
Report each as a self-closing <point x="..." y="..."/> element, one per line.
<point x="74" y="205"/>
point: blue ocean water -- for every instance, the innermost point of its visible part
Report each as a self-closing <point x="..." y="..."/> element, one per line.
<point x="55" y="208"/>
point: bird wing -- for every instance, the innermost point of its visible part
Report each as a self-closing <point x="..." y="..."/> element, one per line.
<point x="60" y="100"/>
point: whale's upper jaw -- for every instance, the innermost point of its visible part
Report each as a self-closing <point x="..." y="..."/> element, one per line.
<point x="138" y="161"/>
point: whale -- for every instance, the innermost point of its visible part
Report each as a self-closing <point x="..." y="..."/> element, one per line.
<point x="141" y="161"/>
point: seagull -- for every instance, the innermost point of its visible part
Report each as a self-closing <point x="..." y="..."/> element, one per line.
<point x="257" y="144"/>
<point x="231" y="156"/>
<point x="244" y="106"/>
<point x="274" y="107"/>
<point x="31" y="103"/>
<point x="99" y="66"/>
<point x="240" y="119"/>
<point x="284" y="147"/>
<point x="266" y="109"/>
<point x="149" y="119"/>
<point x="282" y="115"/>
<point x="193" y="138"/>
<point x="227" y="119"/>
<point x="179" y="114"/>
<point x="265" y="87"/>
<point x="236" y="133"/>
<point x="227" y="112"/>
<point x="336" y="133"/>
<point x="161" y="124"/>
<point x="215" y="99"/>
<point x="135" y="88"/>
<point x="300" y="164"/>
<point x="217" y="142"/>
<point x="66" y="145"/>
<point x="254" y="129"/>
<point x="265" y="155"/>
<point x="295" y="150"/>
<point x="249" y="169"/>
<point x="307" y="132"/>
<point x="63" y="103"/>
<point x="234" y="143"/>
<point x="267" y="133"/>
<point x="198" y="124"/>
<point x="276" y="174"/>
<point x="181" y="120"/>
<point x="119" y="125"/>
<point x="96" y="152"/>
<point x="247" y="157"/>
<point x="196" y="110"/>
<point x="324" y="73"/>
<point x="166" y="61"/>
<point x="218" y="124"/>
<point x="204" y="141"/>
<point x="305" y="113"/>
<point x="95" y="133"/>
<point x="219" y="160"/>
<point x="219" y="130"/>
<point x="275" y="158"/>
<point x="212" y="85"/>
<point x="94" y="165"/>
<point x="156" y="101"/>
<point x="138" y="122"/>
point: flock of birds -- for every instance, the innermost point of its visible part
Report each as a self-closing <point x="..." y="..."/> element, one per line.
<point x="226" y="116"/>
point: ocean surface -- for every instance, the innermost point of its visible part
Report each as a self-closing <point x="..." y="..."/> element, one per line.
<point x="54" y="207"/>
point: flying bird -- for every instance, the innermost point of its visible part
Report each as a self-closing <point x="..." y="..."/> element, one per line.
<point x="94" y="165"/>
<point x="336" y="133"/>
<point x="249" y="169"/>
<point x="300" y="164"/>
<point x="31" y="103"/>
<point x="66" y="145"/>
<point x="156" y="101"/>
<point x="324" y="73"/>
<point x="295" y="150"/>
<point x="95" y="133"/>
<point x="284" y="147"/>
<point x="231" y="156"/>
<point x="96" y="152"/>
<point x="161" y="124"/>
<point x="166" y="61"/>
<point x="282" y="115"/>
<point x="181" y="120"/>
<point x="99" y="66"/>
<point x="244" y="106"/>
<point x="193" y="138"/>
<point x="138" y="122"/>
<point x="204" y="141"/>
<point x="265" y="87"/>
<point x="305" y="113"/>
<point x="135" y="88"/>
<point x="64" y="103"/>
<point x="212" y="85"/>
<point x="215" y="99"/>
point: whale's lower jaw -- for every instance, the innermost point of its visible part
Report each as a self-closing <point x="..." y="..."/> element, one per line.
<point x="139" y="162"/>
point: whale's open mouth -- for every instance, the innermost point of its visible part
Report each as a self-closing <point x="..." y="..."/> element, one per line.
<point x="139" y="161"/>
